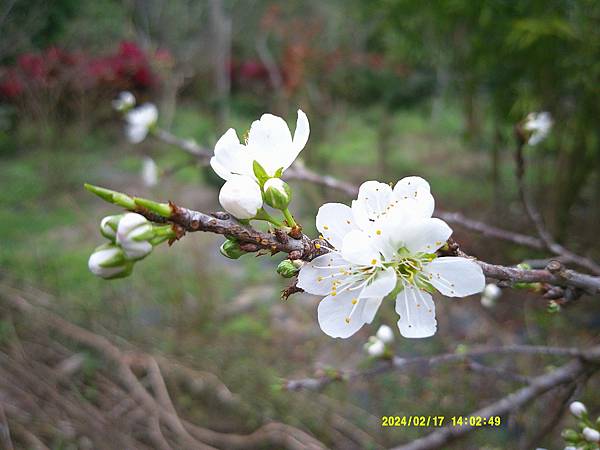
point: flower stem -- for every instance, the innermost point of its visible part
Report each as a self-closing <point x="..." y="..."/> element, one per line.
<point x="264" y="215"/>
<point x="290" y="219"/>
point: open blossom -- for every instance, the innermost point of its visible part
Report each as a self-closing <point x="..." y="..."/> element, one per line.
<point x="139" y="121"/>
<point x="384" y="243"/>
<point x="540" y="125"/>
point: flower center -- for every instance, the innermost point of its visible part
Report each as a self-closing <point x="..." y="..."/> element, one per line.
<point x="409" y="268"/>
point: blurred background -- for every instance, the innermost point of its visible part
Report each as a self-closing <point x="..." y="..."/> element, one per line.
<point x="391" y="88"/>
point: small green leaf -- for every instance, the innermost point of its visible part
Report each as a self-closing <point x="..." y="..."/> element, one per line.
<point x="260" y="173"/>
<point x="278" y="173"/>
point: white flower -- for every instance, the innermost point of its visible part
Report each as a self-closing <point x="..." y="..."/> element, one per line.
<point x="124" y="102"/>
<point x="578" y="409"/>
<point x="385" y="334"/>
<point x="139" y="121"/>
<point x="241" y="197"/>
<point x="149" y="172"/>
<point x="269" y="143"/>
<point x="591" y="435"/>
<point x="108" y="261"/>
<point x="386" y="240"/>
<point x="490" y="294"/>
<point x="540" y="125"/>
<point x="133" y="234"/>
<point x="375" y="348"/>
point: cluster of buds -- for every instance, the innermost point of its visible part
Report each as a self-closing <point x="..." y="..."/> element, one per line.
<point x="587" y="436"/>
<point x="378" y="346"/>
<point x="131" y="237"/>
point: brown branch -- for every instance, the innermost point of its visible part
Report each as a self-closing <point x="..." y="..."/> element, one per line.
<point x="515" y="401"/>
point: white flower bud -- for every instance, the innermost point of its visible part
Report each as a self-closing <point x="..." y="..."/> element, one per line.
<point x="108" y="261"/>
<point x="578" y="409"/>
<point x="133" y="233"/>
<point x="570" y="447"/>
<point x="149" y="172"/>
<point x="241" y="197"/>
<point x="540" y="125"/>
<point x="139" y="121"/>
<point x="124" y="102"/>
<point x="385" y="334"/>
<point x="108" y="226"/>
<point x="376" y="349"/>
<point x="277" y="193"/>
<point x="492" y="291"/>
<point x="591" y="435"/>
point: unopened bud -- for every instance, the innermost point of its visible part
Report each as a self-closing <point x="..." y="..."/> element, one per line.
<point x="287" y="269"/>
<point x="385" y="334"/>
<point x="124" y="102"/>
<point x="570" y="435"/>
<point x="375" y="348"/>
<point x="109" y="261"/>
<point x="231" y="249"/>
<point x="278" y="193"/>
<point x="133" y="235"/>
<point x="591" y="435"/>
<point x="108" y="226"/>
<point x="578" y="409"/>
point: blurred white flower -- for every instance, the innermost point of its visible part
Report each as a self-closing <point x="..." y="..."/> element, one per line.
<point x="124" y="102"/>
<point x="241" y="197"/>
<point x="578" y="409"/>
<point x="133" y="235"/>
<point x="540" y="125"/>
<point x="108" y="261"/>
<point x="490" y="294"/>
<point x="139" y="121"/>
<point x="375" y="348"/>
<point x="385" y="334"/>
<point x="149" y="172"/>
<point x="269" y="143"/>
<point x="570" y="447"/>
<point x="388" y="237"/>
<point x="591" y="435"/>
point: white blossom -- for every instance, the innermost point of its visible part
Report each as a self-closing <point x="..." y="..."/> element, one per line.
<point x="241" y="197"/>
<point x="124" y="102"/>
<point x="139" y="121"/>
<point x="269" y="143"/>
<point x="540" y="125"/>
<point x="149" y="172"/>
<point x="578" y="409"/>
<point x="108" y="261"/>
<point x="385" y="334"/>
<point x="490" y="294"/>
<point x="375" y="348"/>
<point x="133" y="234"/>
<point x="386" y="241"/>
<point x="591" y="435"/>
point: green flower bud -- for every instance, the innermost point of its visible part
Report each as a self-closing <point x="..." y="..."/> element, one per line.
<point x="287" y="269"/>
<point x="231" y="249"/>
<point x="570" y="435"/>
<point x="109" y="262"/>
<point x="108" y="226"/>
<point x="278" y="193"/>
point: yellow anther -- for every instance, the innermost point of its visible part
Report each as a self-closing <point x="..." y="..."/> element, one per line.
<point x="378" y="232"/>
<point x="333" y="293"/>
<point x="325" y="227"/>
<point x="347" y="319"/>
<point x="319" y="278"/>
<point x="348" y="222"/>
<point x="373" y="262"/>
<point x="354" y="301"/>
<point x="317" y="246"/>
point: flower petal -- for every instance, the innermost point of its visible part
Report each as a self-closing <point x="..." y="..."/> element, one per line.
<point x="270" y="143"/>
<point x="383" y="283"/>
<point x="358" y="248"/>
<point x="231" y="158"/>
<point x="334" y="221"/>
<point x="414" y="193"/>
<point x="455" y="276"/>
<point x="301" y="133"/>
<point x="316" y="276"/>
<point x="241" y="196"/>
<point x="417" y="313"/>
<point x="371" y="307"/>
<point x="424" y="235"/>
<point x="339" y="316"/>
<point x="372" y="201"/>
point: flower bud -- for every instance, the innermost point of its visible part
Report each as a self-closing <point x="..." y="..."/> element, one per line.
<point x="570" y="435"/>
<point x="287" y="269"/>
<point x="591" y="435"/>
<point x="108" y="261"/>
<point x="241" y="197"/>
<point x="492" y="291"/>
<point x="376" y="348"/>
<point x="139" y="121"/>
<point x="108" y="226"/>
<point x="570" y="447"/>
<point x="133" y="235"/>
<point x="578" y="409"/>
<point x="124" y="102"/>
<point x="385" y="334"/>
<point x="231" y="249"/>
<point x="278" y="193"/>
